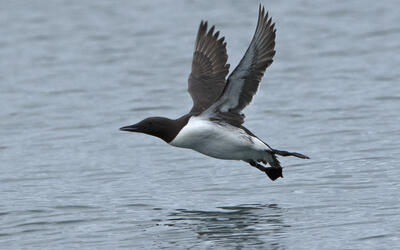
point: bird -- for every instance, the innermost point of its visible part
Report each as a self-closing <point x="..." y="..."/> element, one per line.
<point x="214" y="125"/>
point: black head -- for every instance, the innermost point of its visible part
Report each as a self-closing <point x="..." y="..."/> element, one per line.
<point x="160" y="127"/>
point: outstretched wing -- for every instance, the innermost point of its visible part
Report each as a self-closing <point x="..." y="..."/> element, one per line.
<point x="243" y="83"/>
<point x="209" y="68"/>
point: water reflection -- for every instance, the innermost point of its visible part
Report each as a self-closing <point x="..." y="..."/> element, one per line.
<point x="239" y="226"/>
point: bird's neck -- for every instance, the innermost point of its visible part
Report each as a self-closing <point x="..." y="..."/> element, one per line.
<point x="172" y="128"/>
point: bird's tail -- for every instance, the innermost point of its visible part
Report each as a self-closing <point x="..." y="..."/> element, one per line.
<point x="286" y="153"/>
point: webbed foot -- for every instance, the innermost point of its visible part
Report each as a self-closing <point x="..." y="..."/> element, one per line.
<point x="272" y="172"/>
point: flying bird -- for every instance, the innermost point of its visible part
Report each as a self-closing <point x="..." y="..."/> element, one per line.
<point x="213" y="126"/>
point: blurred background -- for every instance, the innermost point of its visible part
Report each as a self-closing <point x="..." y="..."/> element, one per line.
<point x="73" y="72"/>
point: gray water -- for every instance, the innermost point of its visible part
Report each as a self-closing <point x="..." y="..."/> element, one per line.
<point x="73" y="72"/>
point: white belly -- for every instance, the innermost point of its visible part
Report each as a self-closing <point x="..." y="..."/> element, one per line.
<point x="219" y="141"/>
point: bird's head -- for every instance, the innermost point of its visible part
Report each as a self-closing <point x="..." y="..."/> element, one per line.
<point x="160" y="127"/>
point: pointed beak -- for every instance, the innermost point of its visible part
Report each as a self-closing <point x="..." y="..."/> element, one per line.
<point x="131" y="128"/>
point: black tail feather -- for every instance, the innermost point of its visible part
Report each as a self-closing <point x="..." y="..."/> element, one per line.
<point x="286" y="153"/>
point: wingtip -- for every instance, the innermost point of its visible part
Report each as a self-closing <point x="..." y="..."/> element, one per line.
<point x="261" y="7"/>
<point x="203" y="25"/>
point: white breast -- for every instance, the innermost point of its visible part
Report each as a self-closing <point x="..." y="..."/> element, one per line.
<point x="219" y="141"/>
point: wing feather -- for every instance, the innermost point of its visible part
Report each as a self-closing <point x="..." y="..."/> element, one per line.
<point x="209" y="68"/>
<point x="243" y="82"/>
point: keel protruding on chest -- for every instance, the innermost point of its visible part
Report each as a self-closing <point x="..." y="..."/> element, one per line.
<point x="193" y="133"/>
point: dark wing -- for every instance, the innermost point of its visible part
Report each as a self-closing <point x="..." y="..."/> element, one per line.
<point x="243" y="83"/>
<point x="209" y="68"/>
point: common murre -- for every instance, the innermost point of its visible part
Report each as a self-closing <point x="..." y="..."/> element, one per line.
<point x="214" y="124"/>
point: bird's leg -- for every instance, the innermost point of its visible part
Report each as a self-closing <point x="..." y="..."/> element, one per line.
<point x="272" y="172"/>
